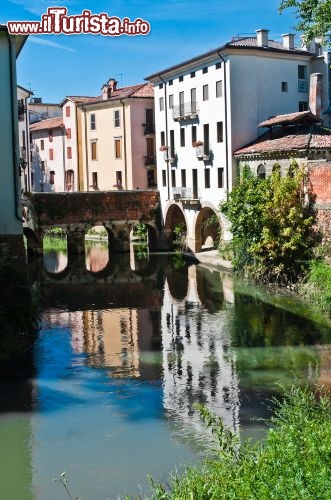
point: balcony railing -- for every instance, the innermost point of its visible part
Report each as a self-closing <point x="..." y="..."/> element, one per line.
<point x="185" y="111"/>
<point x="150" y="160"/>
<point x="185" y="195"/>
<point x="149" y="128"/>
<point x="202" y="152"/>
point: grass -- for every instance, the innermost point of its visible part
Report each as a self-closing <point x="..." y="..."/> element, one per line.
<point x="317" y="287"/>
<point x="294" y="461"/>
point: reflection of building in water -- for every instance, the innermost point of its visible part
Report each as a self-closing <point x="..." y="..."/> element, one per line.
<point x="198" y="364"/>
<point x="55" y="261"/>
<point x="111" y="339"/>
<point x="97" y="256"/>
<point x="73" y="321"/>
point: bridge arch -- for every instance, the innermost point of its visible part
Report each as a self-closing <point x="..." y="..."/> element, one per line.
<point x="174" y="218"/>
<point x="33" y="243"/>
<point x="207" y="227"/>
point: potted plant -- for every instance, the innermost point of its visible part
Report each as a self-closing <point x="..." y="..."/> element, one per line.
<point x="196" y="144"/>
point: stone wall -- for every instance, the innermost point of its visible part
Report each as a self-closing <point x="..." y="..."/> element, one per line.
<point x="320" y="178"/>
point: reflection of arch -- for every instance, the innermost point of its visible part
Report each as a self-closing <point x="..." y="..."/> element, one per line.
<point x="152" y="236"/>
<point x="55" y="253"/>
<point x="32" y="241"/>
<point x="177" y="280"/>
<point x="174" y="217"/>
<point x="207" y="226"/>
<point x="261" y="171"/>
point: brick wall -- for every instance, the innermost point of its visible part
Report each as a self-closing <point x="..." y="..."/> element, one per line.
<point x="320" y="177"/>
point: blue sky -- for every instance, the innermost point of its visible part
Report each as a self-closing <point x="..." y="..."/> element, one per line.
<point x="54" y="66"/>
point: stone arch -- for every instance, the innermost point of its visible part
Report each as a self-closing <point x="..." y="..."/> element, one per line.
<point x="207" y="228"/>
<point x="173" y="218"/>
<point x="261" y="171"/>
<point x="152" y="235"/>
<point x="96" y="241"/>
<point x="55" y="256"/>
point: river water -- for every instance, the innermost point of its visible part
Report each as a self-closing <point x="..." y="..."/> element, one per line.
<point x="126" y="346"/>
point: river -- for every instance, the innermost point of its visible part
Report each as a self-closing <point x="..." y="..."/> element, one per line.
<point x="126" y="345"/>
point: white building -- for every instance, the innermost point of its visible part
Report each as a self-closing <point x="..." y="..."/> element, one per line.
<point x="23" y="137"/>
<point x="217" y="100"/>
<point x="39" y="110"/>
<point x="48" y="162"/>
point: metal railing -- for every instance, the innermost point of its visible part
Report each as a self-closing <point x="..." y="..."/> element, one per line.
<point x="185" y="110"/>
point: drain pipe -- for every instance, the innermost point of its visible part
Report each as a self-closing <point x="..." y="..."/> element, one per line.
<point x="226" y="127"/>
<point x="166" y="131"/>
<point x="13" y="128"/>
<point x="124" y="146"/>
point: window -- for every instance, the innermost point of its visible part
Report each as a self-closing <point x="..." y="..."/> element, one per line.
<point x="161" y="86"/>
<point x="302" y="72"/>
<point x="92" y="121"/>
<point x="220" y="177"/>
<point x="219" y="88"/>
<point x="51" y="177"/>
<point x="42" y="145"/>
<point x="284" y="86"/>
<point x="181" y="78"/>
<point x="118" y="152"/>
<point x="164" y="178"/>
<point x="162" y="139"/>
<point x="117" y="120"/>
<point x="183" y="176"/>
<point x="93" y="150"/>
<point x="205" y="93"/>
<point x="50" y="135"/>
<point x="67" y="111"/>
<point x="219" y="131"/>
<point x="171" y="101"/>
<point x="182" y="137"/>
<point x="68" y="133"/>
<point x="69" y="180"/>
<point x="51" y="154"/>
<point x="303" y="106"/>
<point x="119" y="177"/>
<point x="193" y="100"/>
<point x="42" y="166"/>
<point x="218" y="65"/>
<point x="261" y="171"/>
<point x="23" y="139"/>
<point x="173" y="178"/>
<point x="95" y="180"/>
<point x="204" y="70"/>
<point x="194" y="133"/>
<point x="206" y="138"/>
<point x="207" y="178"/>
<point x="171" y="82"/>
<point x="192" y="74"/>
<point x="161" y="103"/>
<point x="181" y="103"/>
<point x="69" y="153"/>
<point x="172" y="143"/>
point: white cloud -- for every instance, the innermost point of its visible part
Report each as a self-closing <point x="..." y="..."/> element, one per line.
<point x="48" y="43"/>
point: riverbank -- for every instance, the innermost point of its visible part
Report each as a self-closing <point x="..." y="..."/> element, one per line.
<point x="292" y="462"/>
<point x="210" y="258"/>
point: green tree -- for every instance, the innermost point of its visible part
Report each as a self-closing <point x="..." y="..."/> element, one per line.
<point x="272" y="222"/>
<point x="314" y="17"/>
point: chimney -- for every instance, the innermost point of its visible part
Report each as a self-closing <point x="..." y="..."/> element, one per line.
<point x="315" y="93"/>
<point x="108" y="88"/>
<point x="262" y="38"/>
<point x="112" y="83"/>
<point x="288" y="41"/>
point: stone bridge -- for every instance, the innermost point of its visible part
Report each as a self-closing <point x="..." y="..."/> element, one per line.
<point x="76" y="213"/>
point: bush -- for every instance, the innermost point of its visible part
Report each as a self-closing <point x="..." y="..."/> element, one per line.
<point x="317" y="287"/>
<point x="272" y="224"/>
<point x="292" y="463"/>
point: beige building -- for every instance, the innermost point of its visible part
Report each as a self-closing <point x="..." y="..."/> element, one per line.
<point x="118" y="142"/>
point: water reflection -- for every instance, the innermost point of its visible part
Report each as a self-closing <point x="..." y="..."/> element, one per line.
<point x="124" y="353"/>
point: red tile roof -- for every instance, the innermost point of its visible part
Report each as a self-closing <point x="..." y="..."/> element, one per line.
<point x="251" y="42"/>
<point x="47" y="124"/>
<point x="141" y="90"/>
<point x="300" y="116"/>
<point x="314" y="137"/>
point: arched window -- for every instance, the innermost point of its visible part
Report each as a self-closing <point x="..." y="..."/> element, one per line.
<point x="261" y="171"/>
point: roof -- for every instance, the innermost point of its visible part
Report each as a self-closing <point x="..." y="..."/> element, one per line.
<point x="298" y="117"/>
<point x="19" y="40"/>
<point x="248" y="42"/>
<point x="142" y="90"/>
<point x="290" y="139"/>
<point x="47" y="124"/>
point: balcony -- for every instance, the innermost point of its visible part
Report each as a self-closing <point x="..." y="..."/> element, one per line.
<point x="185" y="195"/>
<point x="150" y="161"/>
<point x="203" y="152"/>
<point x="149" y="128"/>
<point x="185" y="111"/>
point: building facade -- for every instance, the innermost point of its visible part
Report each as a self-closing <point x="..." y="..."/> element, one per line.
<point x="208" y="107"/>
<point x="48" y="162"/>
<point x="23" y="137"/>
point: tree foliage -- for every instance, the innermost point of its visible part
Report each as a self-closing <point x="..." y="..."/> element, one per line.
<point x="272" y="222"/>
<point x="314" y="17"/>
